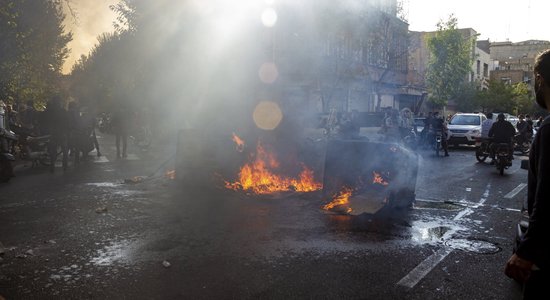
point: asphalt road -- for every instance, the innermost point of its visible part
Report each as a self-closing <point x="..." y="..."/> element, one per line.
<point x="99" y="232"/>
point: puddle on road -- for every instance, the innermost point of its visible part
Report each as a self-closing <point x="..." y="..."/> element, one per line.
<point x="433" y="232"/>
<point x="104" y="184"/>
<point x="473" y="245"/>
<point x="117" y="252"/>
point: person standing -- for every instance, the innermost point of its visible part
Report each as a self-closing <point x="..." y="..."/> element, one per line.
<point x="121" y="126"/>
<point x="89" y="123"/>
<point x="56" y="124"/>
<point x="530" y="262"/>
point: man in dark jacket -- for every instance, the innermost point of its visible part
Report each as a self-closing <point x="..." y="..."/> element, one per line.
<point x="503" y="131"/>
<point x="56" y="123"/>
<point x="531" y="260"/>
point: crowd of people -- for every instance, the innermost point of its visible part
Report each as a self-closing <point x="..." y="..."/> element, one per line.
<point x="399" y="126"/>
<point x="71" y="131"/>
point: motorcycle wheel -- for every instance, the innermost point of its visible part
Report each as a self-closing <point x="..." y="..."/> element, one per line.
<point x="481" y="156"/>
<point x="6" y="170"/>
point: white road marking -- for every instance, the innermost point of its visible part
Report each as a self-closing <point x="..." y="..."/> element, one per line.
<point x="425" y="267"/>
<point x="515" y="191"/>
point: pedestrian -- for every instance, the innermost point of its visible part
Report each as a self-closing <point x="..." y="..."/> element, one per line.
<point x="89" y="122"/>
<point x="530" y="262"/>
<point x="56" y="124"/>
<point x="121" y="126"/>
<point x="77" y="134"/>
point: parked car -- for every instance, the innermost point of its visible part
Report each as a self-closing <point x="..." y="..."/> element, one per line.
<point x="465" y="128"/>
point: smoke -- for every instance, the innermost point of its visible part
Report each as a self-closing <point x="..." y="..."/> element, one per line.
<point x="86" y="20"/>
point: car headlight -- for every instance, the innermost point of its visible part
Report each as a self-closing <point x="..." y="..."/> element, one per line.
<point x="476" y="131"/>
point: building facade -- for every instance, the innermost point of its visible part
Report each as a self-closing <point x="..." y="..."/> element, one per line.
<point x="419" y="57"/>
<point x="349" y="55"/>
<point x="513" y="62"/>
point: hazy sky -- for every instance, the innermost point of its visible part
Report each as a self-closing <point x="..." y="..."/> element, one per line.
<point x="497" y="20"/>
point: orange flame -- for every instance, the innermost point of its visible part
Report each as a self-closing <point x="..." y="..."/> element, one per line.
<point x="239" y="142"/>
<point x="258" y="177"/>
<point x="378" y="179"/>
<point x="342" y="198"/>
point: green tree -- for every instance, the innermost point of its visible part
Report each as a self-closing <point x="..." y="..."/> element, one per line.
<point x="450" y="61"/>
<point x="34" y="46"/>
<point x="468" y="97"/>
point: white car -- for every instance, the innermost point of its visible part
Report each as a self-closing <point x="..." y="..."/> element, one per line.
<point x="465" y="128"/>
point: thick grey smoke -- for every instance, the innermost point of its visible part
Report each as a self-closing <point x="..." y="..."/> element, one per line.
<point x="86" y="19"/>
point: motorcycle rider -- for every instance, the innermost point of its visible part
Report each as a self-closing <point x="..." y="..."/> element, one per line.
<point x="503" y="131"/>
<point x="525" y="128"/>
<point x="439" y="125"/>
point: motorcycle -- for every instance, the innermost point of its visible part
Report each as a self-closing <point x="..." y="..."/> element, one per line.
<point x="34" y="149"/>
<point x="483" y="149"/>
<point x="502" y="157"/>
<point x="437" y="142"/>
<point x="522" y="143"/>
<point x="142" y="137"/>
<point x="104" y="123"/>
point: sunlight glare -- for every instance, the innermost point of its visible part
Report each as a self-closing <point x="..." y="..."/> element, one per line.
<point x="267" y="115"/>
<point x="269" y="17"/>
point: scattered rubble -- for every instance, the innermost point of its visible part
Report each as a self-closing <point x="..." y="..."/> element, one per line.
<point x="102" y="209"/>
<point x="166" y="264"/>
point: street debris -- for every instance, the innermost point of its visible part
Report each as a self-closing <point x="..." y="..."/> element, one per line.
<point x="166" y="264"/>
<point x="29" y="252"/>
<point x="135" y="179"/>
<point x="102" y="209"/>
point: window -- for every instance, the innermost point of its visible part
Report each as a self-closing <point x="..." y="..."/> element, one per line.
<point x="478" y="67"/>
<point x="485" y="70"/>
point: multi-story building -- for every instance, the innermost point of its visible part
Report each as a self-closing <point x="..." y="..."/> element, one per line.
<point x="513" y="62"/>
<point x="353" y="57"/>
<point x="419" y="57"/>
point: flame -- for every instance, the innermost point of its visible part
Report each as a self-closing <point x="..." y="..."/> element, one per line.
<point x="239" y="142"/>
<point x="171" y="174"/>
<point x="341" y="198"/>
<point x="258" y="176"/>
<point x="378" y="179"/>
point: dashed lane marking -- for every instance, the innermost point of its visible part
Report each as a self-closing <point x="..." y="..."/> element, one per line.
<point x="515" y="191"/>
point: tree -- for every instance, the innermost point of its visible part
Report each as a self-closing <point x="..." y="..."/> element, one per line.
<point x="34" y="46"/>
<point x="468" y="97"/>
<point x="450" y="61"/>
